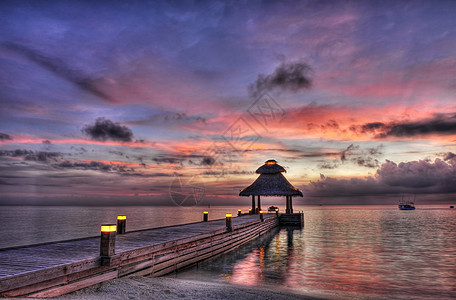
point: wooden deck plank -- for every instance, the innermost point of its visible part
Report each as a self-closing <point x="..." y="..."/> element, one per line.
<point x="28" y="259"/>
<point x="61" y="267"/>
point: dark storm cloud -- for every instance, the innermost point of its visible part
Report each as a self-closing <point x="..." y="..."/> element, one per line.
<point x="367" y="162"/>
<point x="439" y="124"/>
<point x="93" y="165"/>
<point x="449" y="156"/>
<point x="168" y="160"/>
<point x="181" y="160"/>
<point x="105" y="129"/>
<point x="169" y="119"/>
<point x="369" y="127"/>
<point x="39" y="156"/>
<point x="416" y="177"/>
<point x="60" y="68"/>
<point x="183" y="117"/>
<point x="4" y="137"/>
<point x="419" y="174"/>
<point x="43" y="156"/>
<point x="442" y="124"/>
<point x="207" y="161"/>
<point x="15" y="153"/>
<point x="289" y="77"/>
<point x="362" y="157"/>
<point x="343" y="155"/>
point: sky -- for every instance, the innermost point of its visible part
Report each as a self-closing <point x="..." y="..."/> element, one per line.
<point x="179" y="102"/>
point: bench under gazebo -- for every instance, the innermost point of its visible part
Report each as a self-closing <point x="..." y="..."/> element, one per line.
<point x="271" y="182"/>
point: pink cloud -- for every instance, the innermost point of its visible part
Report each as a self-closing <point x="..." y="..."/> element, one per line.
<point x="340" y="122"/>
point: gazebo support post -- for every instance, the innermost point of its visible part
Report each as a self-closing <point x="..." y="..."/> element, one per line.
<point x="259" y="204"/>
<point x="291" y="204"/>
<point x="287" y="209"/>
<point x="253" y="205"/>
<point x="271" y="182"/>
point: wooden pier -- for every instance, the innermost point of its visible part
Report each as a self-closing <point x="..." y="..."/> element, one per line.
<point x="296" y="219"/>
<point x="54" y="269"/>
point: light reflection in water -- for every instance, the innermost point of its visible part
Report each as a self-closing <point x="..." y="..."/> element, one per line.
<point x="362" y="252"/>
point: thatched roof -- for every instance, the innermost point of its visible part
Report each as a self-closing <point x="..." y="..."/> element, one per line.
<point x="271" y="182"/>
<point x="270" y="167"/>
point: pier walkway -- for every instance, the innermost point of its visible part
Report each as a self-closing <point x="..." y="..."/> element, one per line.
<point x="57" y="268"/>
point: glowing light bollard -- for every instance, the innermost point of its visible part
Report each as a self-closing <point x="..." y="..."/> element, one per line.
<point x="277" y="212"/>
<point x="261" y="216"/>
<point x="121" y="224"/>
<point x="228" y="223"/>
<point x="250" y="211"/>
<point x="107" y="243"/>
<point x="239" y="212"/>
<point x="205" y="216"/>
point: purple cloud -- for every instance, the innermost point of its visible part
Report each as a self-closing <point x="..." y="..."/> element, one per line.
<point x="417" y="177"/>
<point x="291" y="77"/>
<point x="4" y="137"/>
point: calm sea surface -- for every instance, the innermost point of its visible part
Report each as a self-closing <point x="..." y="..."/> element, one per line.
<point x="343" y="252"/>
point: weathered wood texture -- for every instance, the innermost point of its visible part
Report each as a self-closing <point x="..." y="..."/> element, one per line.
<point x="54" y="269"/>
<point x="296" y="219"/>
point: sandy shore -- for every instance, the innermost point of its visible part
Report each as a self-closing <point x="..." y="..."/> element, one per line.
<point x="169" y="288"/>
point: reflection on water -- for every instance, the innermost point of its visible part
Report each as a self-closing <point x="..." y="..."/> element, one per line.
<point x="358" y="252"/>
<point x="342" y="252"/>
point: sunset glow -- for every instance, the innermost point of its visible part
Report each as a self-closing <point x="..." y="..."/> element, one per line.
<point x="162" y="103"/>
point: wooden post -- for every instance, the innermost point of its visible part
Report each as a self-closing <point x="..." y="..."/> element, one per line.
<point x="253" y="204"/>
<point x="259" y="203"/>
<point x="107" y="243"/>
<point x="287" y="210"/>
<point x="205" y="216"/>
<point x="228" y="223"/>
<point x="286" y="204"/>
<point x="291" y="204"/>
<point x="121" y="224"/>
<point x="239" y="212"/>
<point x="261" y="216"/>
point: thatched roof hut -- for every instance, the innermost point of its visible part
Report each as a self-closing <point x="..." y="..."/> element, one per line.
<point x="271" y="182"/>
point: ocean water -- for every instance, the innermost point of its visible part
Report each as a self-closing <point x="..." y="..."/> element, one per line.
<point x="343" y="252"/>
<point x="26" y="225"/>
<point x="362" y="252"/>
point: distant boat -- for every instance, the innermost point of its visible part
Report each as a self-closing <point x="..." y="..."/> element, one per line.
<point x="451" y="206"/>
<point x="272" y="208"/>
<point x="406" y="204"/>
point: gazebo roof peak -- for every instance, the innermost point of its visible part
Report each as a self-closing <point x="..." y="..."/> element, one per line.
<point x="270" y="167"/>
<point x="271" y="182"/>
